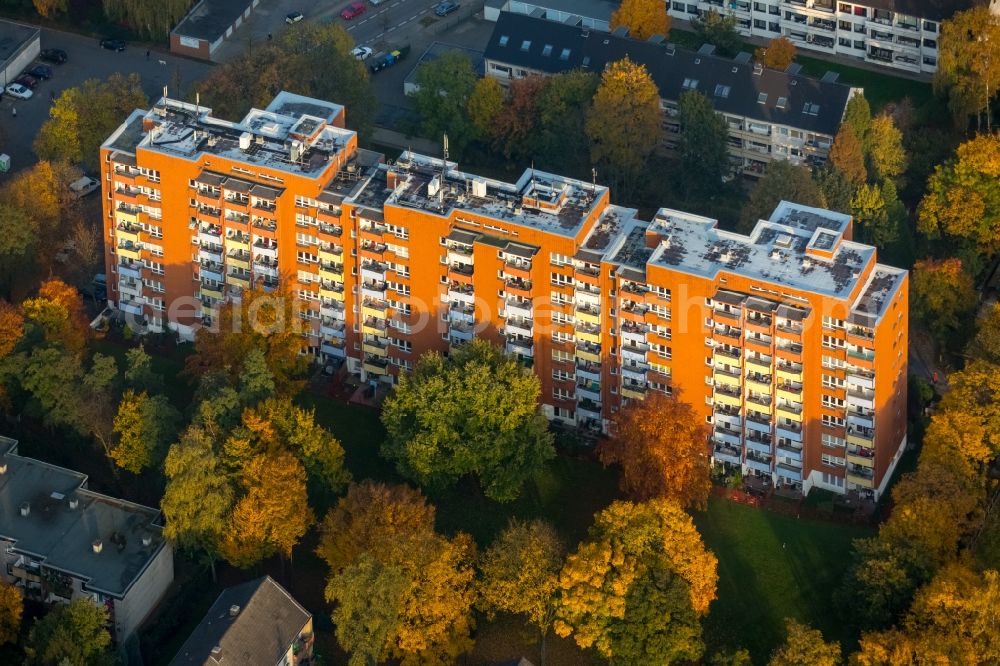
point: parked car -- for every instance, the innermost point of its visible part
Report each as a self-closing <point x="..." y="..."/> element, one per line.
<point x="362" y="52"/>
<point x="27" y="80"/>
<point x="389" y="59"/>
<point x="84" y="186"/>
<point x="113" y="44"/>
<point x="294" y="17"/>
<point x="353" y="10"/>
<point x="446" y="7"/>
<point x="55" y="56"/>
<point x="41" y="72"/>
<point x="18" y="91"/>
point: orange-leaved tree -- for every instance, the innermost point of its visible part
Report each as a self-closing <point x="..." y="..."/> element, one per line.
<point x="778" y="54"/>
<point x="643" y="18"/>
<point x="58" y="312"/>
<point x="662" y="447"/>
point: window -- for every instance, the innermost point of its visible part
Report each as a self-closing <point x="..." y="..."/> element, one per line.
<point x="564" y="55"/>
<point x="832" y="421"/>
<point x="782" y="102"/>
<point x="722" y="91"/>
<point x="829" y="381"/>
<point x="833" y="461"/>
<point x="525" y="45"/>
<point x="831" y="342"/>
<point x="831" y="402"/>
<point x="810" y="109"/>
<point x="761" y="97"/>
<point x="833" y="323"/>
<point x="690" y="84"/>
<point x="832" y="442"/>
<point x="504" y="39"/>
<point x="547" y="50"/>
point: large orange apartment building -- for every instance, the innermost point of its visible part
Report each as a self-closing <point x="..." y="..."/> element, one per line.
<point x="791" y="341"/>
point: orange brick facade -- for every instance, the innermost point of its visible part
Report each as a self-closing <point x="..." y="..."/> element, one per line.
<point x="791" y="342"/>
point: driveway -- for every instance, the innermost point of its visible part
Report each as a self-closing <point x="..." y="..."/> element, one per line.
<point x="87" y="60"/>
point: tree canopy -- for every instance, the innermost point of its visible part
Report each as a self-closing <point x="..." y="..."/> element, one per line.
<point x="11" y="607"/>
<point x="805" y="646"/>
<point x="703" y="143"/>
<point x="636" y="589"/>
<point x="643" y="18"/>
<point x="778" y="54"/>
<point x="72" y="634"/>
<point x="968" y="68"/>
<point x="445" y="87"/>
<point x="943" y="294"/>
<point x="719" y="30"/>
<point x="782" y="180"/>
<point x="847" y="155"/>
<point x="475" y="412"/>
<point x="662" y="445"/>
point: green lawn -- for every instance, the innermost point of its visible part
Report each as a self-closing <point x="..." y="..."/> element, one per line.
<point x="771" y="567"/>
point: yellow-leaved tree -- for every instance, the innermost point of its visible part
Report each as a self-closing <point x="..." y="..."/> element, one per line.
<point x="643" y="18"/>
<point x="637" y="588"/>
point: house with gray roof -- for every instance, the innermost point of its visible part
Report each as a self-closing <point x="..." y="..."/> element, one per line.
<point x="771" y="114"/>
<point x="61" y="541"/>
<point x="257" y="623"/>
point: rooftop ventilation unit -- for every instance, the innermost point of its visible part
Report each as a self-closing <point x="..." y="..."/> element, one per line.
<point x="3" y="468"/>
<point x="74" y="502"/>
<point x="234" y="610"/>
<point x="97" y="546"/>
<point x="25" y="509"/>
<point x="245" y="140"/>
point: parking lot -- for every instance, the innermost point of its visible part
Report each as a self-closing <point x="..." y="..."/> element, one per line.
<point x="87" y="60"/>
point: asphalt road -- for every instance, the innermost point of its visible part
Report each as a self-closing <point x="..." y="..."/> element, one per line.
<point x="87" y="60"/>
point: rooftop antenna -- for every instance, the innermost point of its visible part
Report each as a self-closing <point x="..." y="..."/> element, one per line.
<point x="444" y="165"/>
<point x="532" y="175"/>
<point x="197" y="103"/>
<point x="593" y="180"/>
<point x="165" y="94"/>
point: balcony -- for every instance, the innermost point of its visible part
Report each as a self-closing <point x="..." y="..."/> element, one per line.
<point x="520" y="345"/>
<point x="588" y="315"/>
<point x="238" y="241"/>
<point x="861" y="456"/>
<point x="239" y="279"/>
<point x="787" y="450"/>
<point x="518" y="326"/>
<point x="330" y="271"/>
<point x="727" y="436"/>
<point x="373" y="271"/>
<point x="788" y="472"/>
<point x="518" y="287"/>
<point x="373" y="308"/>
<point x="789" y="391"/>
<point x="128" y="233"/>
<point x="332" y="309"/>
<point x="334" y="348"/>
<point x="724" y="376"/>
<point x="727" y="454"/>
<point x="588" y="333"/>
<point x="731" y="355"/>
<point x="728" y="397"/>
<point x="373" y="290"/>
<point x="463" y="293"/>
<point x="373" y="326"/>
<point x="758" y="382"/>
<point x="759" y="444"/>
<point x="514" y="307"/>
<point x="461" y="273"/>
<point x="373" y="251"/>
<point x="589" y="371"/>
<point x="262" y="266"/>
<point x="327" y="231"/>
<point x="127" y="250"/>
<point x="373" y="347"/>
<point x="589" y="390"/>
<point x="789" y="371"/>
<point x="210" y="253"/>
<point x="130" y="287"/>
<point x="636" y="353"/>
<point x="129" y="306"/>
<point x="587" y="409"/>
<point x="720" y="313"/>
<point x="588" y="352"/>
<point x="129" y="214"/>
<point x="130" y="269"/>
<point x="728" y="332"/>
<point x="211" y="270"/>
<point x="461" y="312"/>
<point x="518" y="269"/>
<point x="789" y="430"/>
<point x="759" y="363"/>
<point x="372" y="231"/>
<point x="633" y="391"/>
<point x="375" y="366"/>
<point x="761" y="401"/>
<point x="239" y="259"/>
<point x="861" y="476"/>
<point x="632" y="311"/>
<point x="759" y="464"/>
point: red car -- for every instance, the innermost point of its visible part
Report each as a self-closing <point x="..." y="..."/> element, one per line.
<point x="27" y="80"/>
<point x="353" y="10"/>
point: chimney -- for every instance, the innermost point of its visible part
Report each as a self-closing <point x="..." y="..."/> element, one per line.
<point x="234" y="610"/>
<point x="3" y="467"/>
<point x="147" y="539"/>
<point x="217" y="650"/>
<point x="98" y="546"/>
<point x="25" y="508"/>
<point x="74" y="502"/>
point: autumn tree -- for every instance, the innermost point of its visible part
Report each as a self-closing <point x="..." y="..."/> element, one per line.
<point x="81" y="118"/>
<point x="73" y="633"/>
<point x="858" y="115"/>
<point x="50" y="8"/>
<point x="149" y="19"/>
<point x="782" y="180"/>
<point x="975" y="390"/>
<point x="847" y="156"/>
<point x="11" y="328"/>
<point x="380" y="544"/>
<point x="968" y="68"/>
<point x="778" y="54"/>
<point x="519" y="574"/>
<point x="638" y="586"/>
<point x="11" y="607"/>
<point x="962" y="203"/>
<point x="291" y="61"/>
<point x="662" y="445"/>
<point x="145" y="426"/>
<point x="942" y="294"/>
<point x="485" y="104"/>
<point x="516" y="130"/>
<point x="624" y="123"/>
<point x="265" y="322"/>
<point x="272" y="515"/>
<point x="643" y="18"/>
<point x="703" y="143"/>
<point x="884" y="148"/>
<point x="475" y="412"/>
<point x="276" y="424"/>
<point x="985" y="346"/>
<point x="878" y="212"/>
<point x="719" y="30"/>
<point x="198" y="497"/>
<point x="563" y="106"/>
<point x="18" y="238"/>
<point x="445" y="86"/>
<point x="805" y="646"/>
<point x="58" y="311"/>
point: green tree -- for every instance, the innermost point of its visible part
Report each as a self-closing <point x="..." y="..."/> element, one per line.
<point x="198" y="497"/>
<point x="943" y="295"/>
<point x="782" y="180"/>
<point x="624" y="123"/>
<point x="837" y="190"/>
<point x="643" y="18"/>
<point x="369" y="600"/>
<point x="73" y="634"/>
<point x="847" y="156"/>
<point x="272" y="515"/>
<point x="149" y="19"/>
<point x="968" y="69"/>
<point x="485" y="104"/>
<point x="145" y="426"/>
<point x="139" y="373"/>
<point x="702" y="145"/>
<point x="858" y="115"/>
<point x="519" y="574"/>
<point x="986" y="344"/>
<point x="81" y="118"/>
<point x="473" y="413"/>
<point x="563" y="106"/>
<point x="879" y="213"/>
<point x="962" y="203"/>
<point x="11" y="607"/>
<point x="719" y="30"/>
<point x="445" y="87"/>
<point x="880" y="582"/>
<point x="884" y="147"/>
<point x="636" y="589"/>
<point x="805" y="646"/>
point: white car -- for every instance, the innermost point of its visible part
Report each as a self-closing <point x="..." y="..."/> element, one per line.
<point x="19" y="91"/>
<point x="362" y="52"/>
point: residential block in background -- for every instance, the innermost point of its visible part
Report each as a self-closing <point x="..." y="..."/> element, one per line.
<point x="790" y="341"/>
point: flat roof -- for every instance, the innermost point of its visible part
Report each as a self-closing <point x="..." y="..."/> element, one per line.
<point x="294" y="133"/>
<point x="64" y="520"/>
<point x="210" y="19"/>
<point x="13" y="36"/>
<point x="249" y="624"/>
<point x="593" y="9"/>
<point x="734" y="87"/>
<point x="538" y="200"/>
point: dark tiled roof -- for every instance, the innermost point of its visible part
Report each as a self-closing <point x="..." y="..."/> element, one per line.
<point x="211" y="19"/>
<point x="267" y="621"/>
<point x="556" y="47"/>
